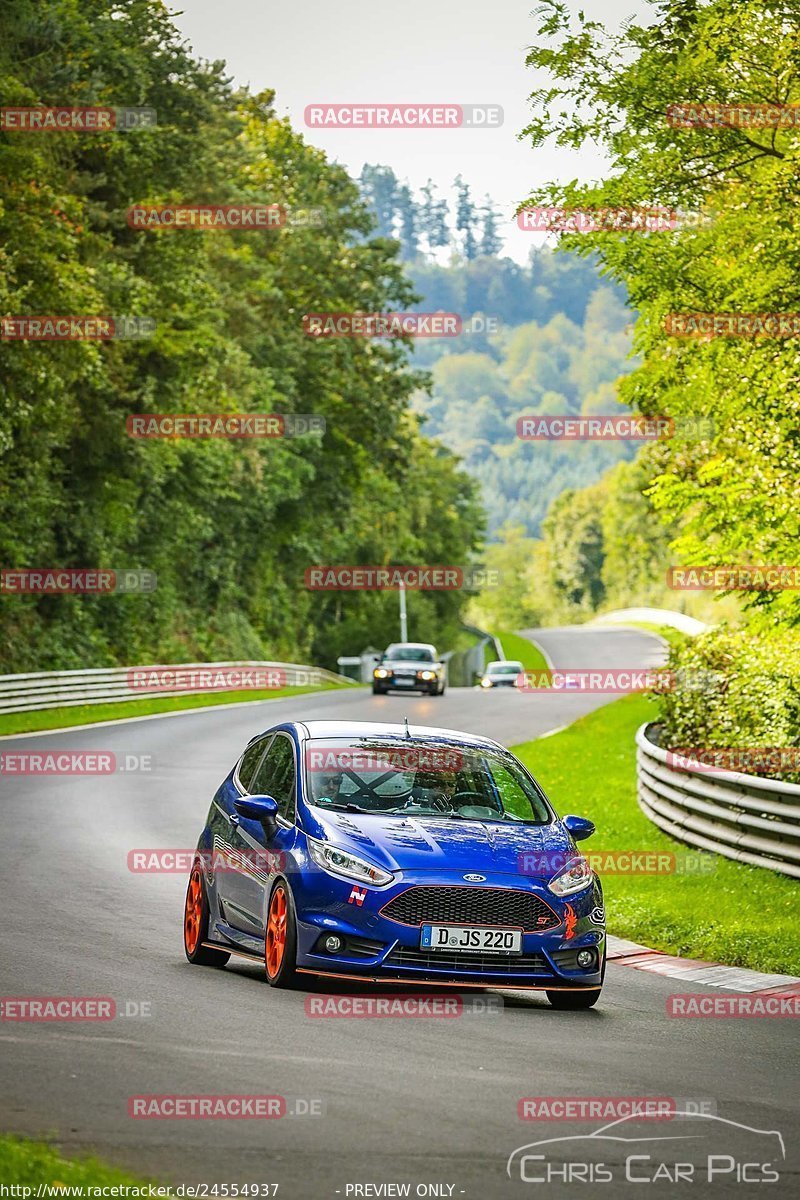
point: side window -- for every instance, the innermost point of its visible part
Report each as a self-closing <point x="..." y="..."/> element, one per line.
<point x="250" y="760"/>
<point x="275" y="776"/>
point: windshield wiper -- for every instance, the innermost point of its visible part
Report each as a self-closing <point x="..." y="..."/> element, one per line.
<point x="345" y="807"/>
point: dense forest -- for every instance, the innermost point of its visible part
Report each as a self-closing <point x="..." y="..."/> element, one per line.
<point x="228" y="527"/>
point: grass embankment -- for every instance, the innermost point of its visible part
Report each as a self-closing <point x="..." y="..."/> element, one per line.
<point x="520" y="649"/>
<point x="739" y="915"/>
<point x="87" y="714"/>
<point x="27" y="1163"/>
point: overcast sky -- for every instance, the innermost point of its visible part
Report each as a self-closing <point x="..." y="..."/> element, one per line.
<point x="455" y="51"/>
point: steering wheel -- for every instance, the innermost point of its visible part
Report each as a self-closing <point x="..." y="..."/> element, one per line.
<point x="466" y="796"/>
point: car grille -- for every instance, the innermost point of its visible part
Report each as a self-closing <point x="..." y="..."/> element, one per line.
<point x="506" y="964"/>
<point x="471" y="906"/>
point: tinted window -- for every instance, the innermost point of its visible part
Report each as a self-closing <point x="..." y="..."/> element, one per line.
<point x="275" y="776"/>
<point x="250" y="760"/>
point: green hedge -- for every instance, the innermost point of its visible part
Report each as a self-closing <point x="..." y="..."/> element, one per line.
<point x="735" y="688"/>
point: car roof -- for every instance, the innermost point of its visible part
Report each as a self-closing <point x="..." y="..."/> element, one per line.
<point x="412" y="645"/>
<point x="504" y="662"/>
<point x="344" y="729"/>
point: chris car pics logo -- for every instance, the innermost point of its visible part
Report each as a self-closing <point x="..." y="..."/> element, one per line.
<point x="696" y="1147"/>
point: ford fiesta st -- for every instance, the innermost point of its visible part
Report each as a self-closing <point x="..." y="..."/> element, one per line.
<point x="382" y="853"/>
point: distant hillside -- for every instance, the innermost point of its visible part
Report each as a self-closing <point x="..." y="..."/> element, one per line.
<point x="562" y="341"/>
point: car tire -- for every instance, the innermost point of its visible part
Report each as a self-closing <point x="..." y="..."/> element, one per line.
<point x="574" y="1000"/>
<point x="577" y="1000"/>
<point x="280" y="940"/>
<point x="376" y="691"/>
<point x="195" y="924"/>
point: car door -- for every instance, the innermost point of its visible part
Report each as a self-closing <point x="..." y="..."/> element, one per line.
<point x="256" y="861"/>
<point x="224" y="825"/>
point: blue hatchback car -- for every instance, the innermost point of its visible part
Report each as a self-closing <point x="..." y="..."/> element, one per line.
<point x="383" y="853"/>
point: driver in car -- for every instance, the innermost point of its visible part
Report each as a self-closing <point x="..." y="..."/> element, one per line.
<point x="435" y="787"/>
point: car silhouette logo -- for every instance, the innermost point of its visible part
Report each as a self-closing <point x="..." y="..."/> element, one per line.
<point x="474" y="878"/>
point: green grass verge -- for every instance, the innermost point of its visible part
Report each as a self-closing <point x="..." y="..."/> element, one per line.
<point x="520" y="649"/>
<point x="27" y="1163"/>
<point x="87" y="714"/>
<point x="738" y="915"/>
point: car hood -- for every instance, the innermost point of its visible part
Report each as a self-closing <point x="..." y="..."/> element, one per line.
<point x="427" y="844"/>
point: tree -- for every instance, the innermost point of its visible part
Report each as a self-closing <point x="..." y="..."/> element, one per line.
<point x="466" y="219"/>
<point x="408" y="215"/>
<point x="379" y="190"/>
<point x="491" y="242"/>
<point x="434" y="213"/>
<point x="730" y="483"/>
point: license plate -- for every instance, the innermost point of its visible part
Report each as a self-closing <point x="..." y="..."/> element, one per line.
<point x="466" y="938"/>
<point x="404" y="682"/>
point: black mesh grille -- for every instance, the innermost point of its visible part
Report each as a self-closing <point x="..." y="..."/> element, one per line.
<point x="471" y="906"/>
<point x="509" y="964"/>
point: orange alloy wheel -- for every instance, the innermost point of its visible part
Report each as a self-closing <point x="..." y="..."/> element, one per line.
<point x="194" y="911"/>
<point x="276" y="931"/>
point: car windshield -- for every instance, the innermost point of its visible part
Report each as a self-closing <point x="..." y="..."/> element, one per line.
<point x="505" y="668"/>
<point x="408" y="654"/>
<point x="414" y="777"/>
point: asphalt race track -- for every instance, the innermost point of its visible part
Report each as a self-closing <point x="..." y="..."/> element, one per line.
<point x="418" y="1101"/>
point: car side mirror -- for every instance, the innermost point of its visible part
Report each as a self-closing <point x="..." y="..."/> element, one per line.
<point x="579" y="827"/>
<point x="263" y="809"/>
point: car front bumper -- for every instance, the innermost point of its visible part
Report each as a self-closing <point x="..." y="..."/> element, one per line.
<point x="378" y="948"/>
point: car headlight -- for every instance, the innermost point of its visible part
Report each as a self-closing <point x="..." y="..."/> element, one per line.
<point x="341" y="862"/>
<point x="574" y="878"/>
<point x="381" y="673"/>
<point x="486" y="682"/>
<point x="427" y="674"/>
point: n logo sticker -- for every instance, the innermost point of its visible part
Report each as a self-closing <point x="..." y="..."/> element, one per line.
<point x="357" y="896"/>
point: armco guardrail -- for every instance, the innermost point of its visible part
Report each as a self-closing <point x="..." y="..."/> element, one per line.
<point x="111" y="685"/>
<point x="745" y="817"/>
<point x="464" y="665"/>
